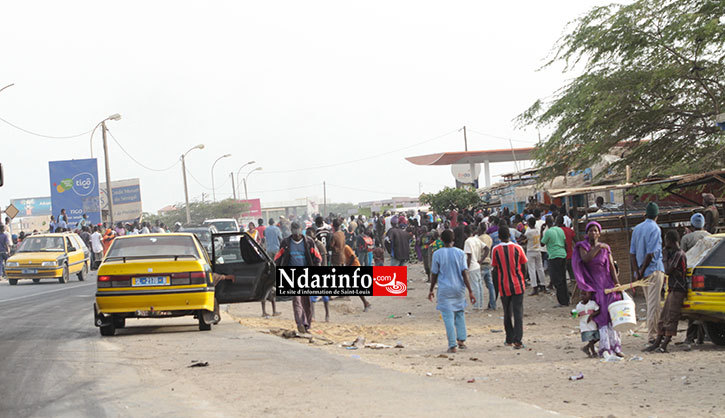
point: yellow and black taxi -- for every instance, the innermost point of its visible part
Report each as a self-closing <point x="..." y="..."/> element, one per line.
<point x="171" y="275"/>
<point x="49" y="256"/>
<point x="705" y="299"/>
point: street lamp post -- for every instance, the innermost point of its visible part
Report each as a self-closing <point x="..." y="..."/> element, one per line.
<point x="238" y="171"/>
<point x="213" y="190"/>
<point x="186" y="190"/>
<point x="246" y="197"/>
<point x="109" y="193"/>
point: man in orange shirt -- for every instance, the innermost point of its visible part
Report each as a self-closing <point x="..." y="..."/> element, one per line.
<point x="349" y="259"/>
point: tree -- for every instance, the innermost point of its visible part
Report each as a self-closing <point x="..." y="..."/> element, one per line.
<point x="199" y="211"/>
<point x="451" y="198"/>
<point x="653" y="80"/>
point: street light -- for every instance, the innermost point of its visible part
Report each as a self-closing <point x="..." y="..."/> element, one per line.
<point x="213" y="191"/>
<point x="240" y="169"/>
<point x="186" y="190"/>
<point x="109" y="194"/>
<point x="246" y="197"/>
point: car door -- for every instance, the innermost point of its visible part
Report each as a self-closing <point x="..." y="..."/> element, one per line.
<point x="72" y="252"/>
<point x="243" y="258"/>
<point x="84" y="251"/>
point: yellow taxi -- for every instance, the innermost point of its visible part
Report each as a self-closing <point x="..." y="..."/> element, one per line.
<point x="49" y="256"/>
<point x="705" y="299"/>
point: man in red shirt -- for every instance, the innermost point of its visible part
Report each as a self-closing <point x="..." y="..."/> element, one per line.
<point x="508" y="258"/>
<point x="570" y="234"/>
<point x="260" y="231"/>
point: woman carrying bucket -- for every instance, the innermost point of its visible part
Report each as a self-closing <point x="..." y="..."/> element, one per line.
<point x="594" y="271"/>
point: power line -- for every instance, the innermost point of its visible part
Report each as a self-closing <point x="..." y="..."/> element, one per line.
<point x="42" y="135"/>
<point x="288" y="188"/>
<point x="137" y="161"/>
<point x="368" y="191"/>
<point x="361" y="159"/>
<point x="206" y="187"/>
<point x="499" y="137"/>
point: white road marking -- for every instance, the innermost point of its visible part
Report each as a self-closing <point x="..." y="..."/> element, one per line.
<point x="45" y="293"/>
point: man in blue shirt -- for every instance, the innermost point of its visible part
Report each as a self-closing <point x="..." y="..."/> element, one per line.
<point x="645" y="255"/>
<point x="272" y="236"/>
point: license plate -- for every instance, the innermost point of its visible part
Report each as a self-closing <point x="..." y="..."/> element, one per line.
<point x="30" y="271"/>
<point x="151" y="281"/>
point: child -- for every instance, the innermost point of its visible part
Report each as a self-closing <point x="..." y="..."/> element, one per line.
<point x="587" y="309"/>
<point x="270" y="296"/>
<point x="325" y="301"/>
<point x="675" y="262"/>
<point x="369" y="247"/>
<point x="379" y="256"/>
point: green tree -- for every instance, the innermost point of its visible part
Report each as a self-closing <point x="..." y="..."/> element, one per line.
<point x="451" y="198"/>
<point x="653" y="78"/>
<point x="199" y="211"/>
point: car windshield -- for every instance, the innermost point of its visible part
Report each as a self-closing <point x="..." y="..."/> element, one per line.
<point x="202" y="233"/>
<point x="36" y="244"/>
<point x="144" y="246"/>
<point x="224" y="226"/>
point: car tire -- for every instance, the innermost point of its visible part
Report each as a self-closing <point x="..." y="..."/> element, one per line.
<point x="36" y="280"/>
<point x="716" y="331"/>
<point x="65" y="278"/>
<point x="13" y="282"/>
<point x="83" y="273"/>
<point x="203" y="326"/>
<point x="108" y="330"/>
<point x="119" y="322"/>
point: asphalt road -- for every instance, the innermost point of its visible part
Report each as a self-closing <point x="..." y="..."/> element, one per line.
<point x="53" y="362"/>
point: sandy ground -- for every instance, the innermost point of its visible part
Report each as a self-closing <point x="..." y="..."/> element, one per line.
<point x="677" y="383"/>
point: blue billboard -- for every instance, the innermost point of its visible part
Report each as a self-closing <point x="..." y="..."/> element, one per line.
<point x="32" y="206"/>
<point x="74" y="187"/>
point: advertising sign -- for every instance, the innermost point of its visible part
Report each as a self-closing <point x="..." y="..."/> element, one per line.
<point x="462" y="172"/>
<point x="126" y="200"/>
<point x="32" y="206"/>
<point x="255" y="209"/>
<point x="74" y="187"/>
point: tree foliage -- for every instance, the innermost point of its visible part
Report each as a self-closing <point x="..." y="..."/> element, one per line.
<point x="653" y="80"/>
<point x="451" y="198"/>
<point x="199" y="211"/>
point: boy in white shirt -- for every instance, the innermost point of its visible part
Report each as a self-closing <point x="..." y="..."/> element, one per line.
<point x="586" y="310"/>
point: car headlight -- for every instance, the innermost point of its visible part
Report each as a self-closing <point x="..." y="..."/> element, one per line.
<point x="12" y="264"/>
<point x="50" y="263"/>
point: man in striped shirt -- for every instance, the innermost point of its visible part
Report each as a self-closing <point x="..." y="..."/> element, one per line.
<point x="508" y="258"/>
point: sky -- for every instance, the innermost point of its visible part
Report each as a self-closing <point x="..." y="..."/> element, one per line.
<point x="312" y="91"/>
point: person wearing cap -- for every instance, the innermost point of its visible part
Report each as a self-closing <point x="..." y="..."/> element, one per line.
<point x="645" y="255"/>
<point x="690" y="240"/>
<point x="712" y="216"/>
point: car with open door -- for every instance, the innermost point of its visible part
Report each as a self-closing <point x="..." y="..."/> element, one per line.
<point x="242" y="257"/>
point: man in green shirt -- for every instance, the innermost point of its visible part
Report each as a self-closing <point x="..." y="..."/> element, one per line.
<point x="555" y="241"/>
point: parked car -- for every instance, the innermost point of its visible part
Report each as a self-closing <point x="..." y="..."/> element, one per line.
<point x="224" y="225"/>
<point x="170" y="275"/>
<point x="49" y="256"/>
<point x="705" y="299"/>
<point x="204" y="235"/>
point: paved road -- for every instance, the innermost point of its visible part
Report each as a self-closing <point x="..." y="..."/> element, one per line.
<point x="54" y="363"/>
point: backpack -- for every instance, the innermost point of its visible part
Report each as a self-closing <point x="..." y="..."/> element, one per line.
<point x="369" y="244"/>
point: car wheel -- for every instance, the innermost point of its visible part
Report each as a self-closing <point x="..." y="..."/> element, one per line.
<point x="66" y="275"/>
<point x="13" y="282"/>
<point x="108" y="330"/>
<point x="83" y="273"/>
<point x="119" y="322"/>
<point x="203" y="326"/>
<point x="36" y="280"/>
<point x="716" y="331"/>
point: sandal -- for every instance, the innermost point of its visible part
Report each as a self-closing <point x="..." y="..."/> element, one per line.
<point x="462" y="345"/>
<point x="451" y="350"/>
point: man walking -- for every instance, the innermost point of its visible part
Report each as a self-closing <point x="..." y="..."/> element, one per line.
<point x="399" y="245"/>
<point x="486" y="274"/>
<point x="508" y="259"/>
<point x="555" y="241"/>
<point x="299" y="251"/>
<point x="4" y="249"/>
<point x="272" y="237"/>
<point x="474" y="249"/>
<point x="96" y="247"/>
<point x="645" y="255"/>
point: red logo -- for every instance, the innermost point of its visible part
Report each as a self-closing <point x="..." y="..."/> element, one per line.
<point x="390" y="281"/>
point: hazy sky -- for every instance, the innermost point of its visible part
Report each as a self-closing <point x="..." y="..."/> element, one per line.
<point x="289" y="84"/>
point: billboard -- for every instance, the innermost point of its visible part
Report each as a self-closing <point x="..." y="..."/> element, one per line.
<point x="74" y="187"/>
<point x="254" y="210"/>
<point x="32" y="206"/>
<point x="126" y="200"/>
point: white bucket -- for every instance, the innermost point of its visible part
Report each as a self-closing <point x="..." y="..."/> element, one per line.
<point x="623" y="314"/>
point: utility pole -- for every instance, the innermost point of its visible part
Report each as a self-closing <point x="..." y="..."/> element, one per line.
<point x="465" y="139"/>
<point x="186" y="190"/>
<point x="324" y="199"/>
<point x="109" y="193"/>
<point x="472" y="165"/>
<point x="234" y="190"/>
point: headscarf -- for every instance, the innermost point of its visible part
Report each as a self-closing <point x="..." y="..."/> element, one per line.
<point x="591" y="224"/>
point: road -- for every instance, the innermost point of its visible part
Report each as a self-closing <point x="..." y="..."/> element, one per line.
<point x="54" y="363"/>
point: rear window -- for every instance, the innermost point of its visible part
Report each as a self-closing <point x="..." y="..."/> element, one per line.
<point x="154" y="245"/>
<point x="224" y="226"/>
<point x="36" y="244"/>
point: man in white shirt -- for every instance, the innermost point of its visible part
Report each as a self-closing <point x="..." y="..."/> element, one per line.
<point x="96" y="247"/>
<point x="533" y="253"/>
<point x="474" y="249"/>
